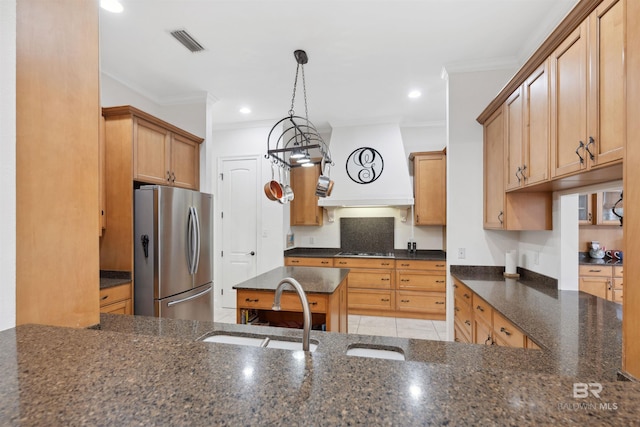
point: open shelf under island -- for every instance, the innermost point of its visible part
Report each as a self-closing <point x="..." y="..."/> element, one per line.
<point x="326" y="290"/>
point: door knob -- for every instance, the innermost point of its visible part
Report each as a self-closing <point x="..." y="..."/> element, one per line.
<point x="252" y="253"/>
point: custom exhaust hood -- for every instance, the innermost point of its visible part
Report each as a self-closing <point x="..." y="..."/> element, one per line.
<point x="370" y="167"/>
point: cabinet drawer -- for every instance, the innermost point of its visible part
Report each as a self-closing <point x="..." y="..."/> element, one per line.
<point x="617" y="271"/>
<point x="482" y="309"/>
<point x="289" y="301"/>
<point x="462" y="292"/>
<point x="421" y="265"/>
<point x="364" y="263"/>
<point x="371" y="279"/>
<point x="379" y="300"/>
<point x="505" y="331"/>
<point x="617" y="283"/>
<point x="459" y="335"/>
<point x="120" y="307"/>
<point x="420" y="281"/>
<point x="462" y="316"/>
<point x="308" y="262"/>
<point x="597" y="286"/>
<point x="115" y="294"/>
<point x="432" y="302"/>
<point x="596" y="270"/>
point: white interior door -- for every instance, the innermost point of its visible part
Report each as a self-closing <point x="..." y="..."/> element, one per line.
<point x="239" y="224"/>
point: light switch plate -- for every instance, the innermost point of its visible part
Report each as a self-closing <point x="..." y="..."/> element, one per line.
<point x="461" y="253"/>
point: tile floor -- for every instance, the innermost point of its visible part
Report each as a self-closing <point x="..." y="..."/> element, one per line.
<point x="373" y="325"/>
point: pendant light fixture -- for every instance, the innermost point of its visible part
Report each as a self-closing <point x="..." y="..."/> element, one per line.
<point x="292" y="137"/>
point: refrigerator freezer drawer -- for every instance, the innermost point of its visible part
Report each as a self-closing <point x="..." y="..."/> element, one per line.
<point x="196" y="304"/>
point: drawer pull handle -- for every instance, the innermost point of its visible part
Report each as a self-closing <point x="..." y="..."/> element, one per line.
<point x="251" y="300"/>
<point x="439" y="265"/>
<point x="313" y="302"/>
<point x="384" y="299"/>
<point x="595" y="271"/>
<point x="439" y="281"/>
<point x="468" y="323"/>
<point x="295" y="261"/>
<point x="385" y="279"/>
<point x="504" y="331"/>
<point x="439" y="302"/>
<point x="466" y="296"/>
<point x="405" y="280"/>
<point x="456" y="308"/>
<point x="488" y="340"/>
<point x="342" y="262"/>
<point x="455" y="285"/>
<point x="104" y="297"/>
<point x="480" y="308"/>
<point x="324" y="262"/>
<point x="405" y="300"/>
<point x="384" y="263"/>
<point x="405" y="265"/>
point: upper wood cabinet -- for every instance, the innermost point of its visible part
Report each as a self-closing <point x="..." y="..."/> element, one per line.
<point x="162" y="153"/>
<point x="430" y="187"/>
<point x="527" y="132"/>
<point x="587" y="93"/>
<point x="304" y="206"/>
<point x="513" y="210"/>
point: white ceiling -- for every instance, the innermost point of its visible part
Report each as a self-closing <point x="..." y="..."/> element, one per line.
<point x="364" y="56"/>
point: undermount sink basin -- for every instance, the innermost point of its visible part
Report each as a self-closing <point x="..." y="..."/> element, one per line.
<point x="377" y="353"/>
<point x="262" y="341"/>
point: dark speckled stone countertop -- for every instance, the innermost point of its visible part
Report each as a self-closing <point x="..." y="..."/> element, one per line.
<point x="585" y="259"/>
<point x="110" y="278"/>
<point x="581" y="334"/>
<point x="318" y="280"/>
<point x="147" y="371"/>
<point x="421" y="254"/>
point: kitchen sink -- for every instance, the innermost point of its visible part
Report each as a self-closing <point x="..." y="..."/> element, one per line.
<point x="259" y="341"/>
<point x="391" y="353"/>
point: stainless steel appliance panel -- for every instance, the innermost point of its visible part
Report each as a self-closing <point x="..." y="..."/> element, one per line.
<point x="203" y="205"/>
<point x="172" y="240"/>
<point x="196" y="304"/>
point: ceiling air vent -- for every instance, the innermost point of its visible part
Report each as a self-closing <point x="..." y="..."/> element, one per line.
<point x="187" y="40"/>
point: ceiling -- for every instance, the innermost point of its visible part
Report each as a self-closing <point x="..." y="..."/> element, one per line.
<point x="364" y="56"/>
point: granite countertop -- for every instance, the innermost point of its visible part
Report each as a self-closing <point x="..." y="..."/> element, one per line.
<point x="581" y="334"/>
<point x="320" y="280"/>
<point x="585" y="259"/>
<point x="110" y="278"/>
<point x="421" y="254"/>
<point x="148" y="371"/>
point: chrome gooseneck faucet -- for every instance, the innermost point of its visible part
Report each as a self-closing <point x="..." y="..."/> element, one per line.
<point x="306" y="311"/>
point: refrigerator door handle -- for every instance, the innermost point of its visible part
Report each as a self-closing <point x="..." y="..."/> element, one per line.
<point x="190" y="240"/>
<point x="198" y="295"/>
<point x="196" y="260"/>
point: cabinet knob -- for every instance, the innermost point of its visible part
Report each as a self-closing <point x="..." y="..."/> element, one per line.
<point x="468" y="323"/>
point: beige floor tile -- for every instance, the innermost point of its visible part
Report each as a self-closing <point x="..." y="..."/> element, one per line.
<point x="418" y="334"/>
<point x="374" y="321"/>
<point x="377" y="330"/>
<point x="354" y="319"/>
<point x="415" y="324"/>
<point x="440" y="325"/>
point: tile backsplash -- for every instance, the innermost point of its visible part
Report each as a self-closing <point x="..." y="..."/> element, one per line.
<point x="367" y="234"/>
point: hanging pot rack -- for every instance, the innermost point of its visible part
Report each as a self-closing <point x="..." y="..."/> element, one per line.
<point x="295" y="133"/>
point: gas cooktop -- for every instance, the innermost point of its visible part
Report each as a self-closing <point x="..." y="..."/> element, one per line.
<point x="367" y="254"/>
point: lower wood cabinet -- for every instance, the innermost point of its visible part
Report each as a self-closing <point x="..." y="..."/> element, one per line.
<point x="604" y="281"/>
<point x="475" y="321"/>
<point x="390" y="287"/>
<point x="117" y="299"/>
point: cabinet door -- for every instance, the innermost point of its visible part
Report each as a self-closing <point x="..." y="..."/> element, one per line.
<point x="597" y="286"/>
<point x="605" y="201"/>
<point x="121" y="307"/>
<point x="304" y="206"/>
<point x="430" y="188"/>
<point x="370" y="299"/>
<point x="185" y="162"/>
<point x="482" y="333"/>
<point x="151" y="147"/>
<point x="569" y="104"/>
<point x="536" y="127"/>
<point x="585" y="209"/>
<point x="607" y="83"/>
<point x="494" y="171"/>
<point x="417" y="281"/>
<point x="370" y="279"/>
<point x="513" y="110"/>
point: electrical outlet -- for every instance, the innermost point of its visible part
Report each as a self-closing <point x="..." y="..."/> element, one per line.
<point x="461" y="253"/>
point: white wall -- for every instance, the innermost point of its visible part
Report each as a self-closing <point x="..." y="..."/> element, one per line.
<point x="190" y="117"/>
<point x="8" y="163"/>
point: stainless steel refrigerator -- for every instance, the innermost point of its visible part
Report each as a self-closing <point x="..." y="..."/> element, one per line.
<point x="173" y="238"/>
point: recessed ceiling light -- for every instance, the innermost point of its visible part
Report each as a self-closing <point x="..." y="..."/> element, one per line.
<point x="111" y="5"/>
<point x="415" y="94"/>
<point x="245" y="110"/>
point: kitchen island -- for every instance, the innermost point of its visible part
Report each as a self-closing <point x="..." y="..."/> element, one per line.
<point x="149" y="371"/>
<point x="326" y="290"/>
